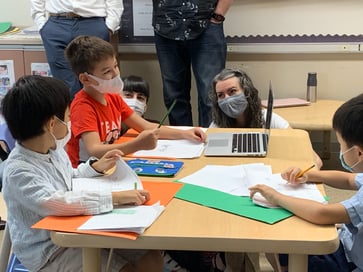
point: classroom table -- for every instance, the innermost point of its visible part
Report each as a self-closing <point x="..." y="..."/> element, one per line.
<point x="315" y="117"/>
<point x="187" y="226"/>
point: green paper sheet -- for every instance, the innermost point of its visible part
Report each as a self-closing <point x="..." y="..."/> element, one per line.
<point x="4" y="26"/>
<point x="242" y="206"/>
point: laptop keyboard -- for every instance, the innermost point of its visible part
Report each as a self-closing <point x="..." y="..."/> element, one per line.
<point x="248" y="142"/>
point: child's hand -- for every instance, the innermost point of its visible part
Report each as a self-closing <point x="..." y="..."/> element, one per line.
<point x="147" y="139"/>
<point x="291" y="175"/>
<point x="266" y="191"/>
<point x="107" y="161"/>
<point x="131" y="197"/>
<point x="195" y="134"/>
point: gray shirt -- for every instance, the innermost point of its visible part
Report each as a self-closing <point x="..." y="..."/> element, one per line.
<point x="37" y="185"/>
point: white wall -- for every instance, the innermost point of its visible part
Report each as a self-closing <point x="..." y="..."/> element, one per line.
<point x="16" y="11"/>
<point x="339" y="75"/>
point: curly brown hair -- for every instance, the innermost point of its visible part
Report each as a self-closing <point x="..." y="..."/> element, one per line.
<point x="253" y="112"/>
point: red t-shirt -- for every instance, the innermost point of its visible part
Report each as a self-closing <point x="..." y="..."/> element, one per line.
<point x="88" y="115"/>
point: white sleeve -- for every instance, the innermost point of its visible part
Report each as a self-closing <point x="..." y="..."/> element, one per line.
<point x="276" y="120"/>
<point x="114" y="10"/>
<point x="38" y="12"/>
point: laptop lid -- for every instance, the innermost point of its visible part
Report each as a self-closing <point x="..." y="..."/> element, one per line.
<point x="244" y="144"/>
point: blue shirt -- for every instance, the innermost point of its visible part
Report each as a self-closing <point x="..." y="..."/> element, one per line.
<point x="351" y="235"/>
<point x="182" y="20"/>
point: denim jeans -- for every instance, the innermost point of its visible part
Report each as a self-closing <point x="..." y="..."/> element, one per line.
<point x="207" y="56"/>
<point x="57" y="33"/>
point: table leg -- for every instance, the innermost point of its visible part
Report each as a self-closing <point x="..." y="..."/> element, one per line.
<point x="91" y="259"/>
<point x="326" y="145"/>
<point x="298" y="263"/>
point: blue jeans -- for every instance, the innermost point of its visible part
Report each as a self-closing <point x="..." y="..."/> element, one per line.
<point x="207" y="56"/>
<point x="57" y="33"/>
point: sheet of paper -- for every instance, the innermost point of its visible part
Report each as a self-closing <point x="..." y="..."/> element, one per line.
<point x="179" y="149"/>
<point x="233" y="179"/>
<point x="236" y="180"/>
<point x="123" y="178"/>
<point x="305" y="190"/>
<point x="130" y="219"/>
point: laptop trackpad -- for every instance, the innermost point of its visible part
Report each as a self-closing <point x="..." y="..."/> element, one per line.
<point x="218" y="142"/>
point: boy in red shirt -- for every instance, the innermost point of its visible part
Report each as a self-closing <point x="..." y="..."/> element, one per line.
<point x="98" y="109"/>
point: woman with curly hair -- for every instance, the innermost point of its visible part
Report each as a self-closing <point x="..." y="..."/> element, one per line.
<point x="236" y="103"/>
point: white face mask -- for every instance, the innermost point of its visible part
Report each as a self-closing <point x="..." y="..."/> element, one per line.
<point x="61" y="143"/>
<point x="114" y="85"/>
<point x="136" y="105"/>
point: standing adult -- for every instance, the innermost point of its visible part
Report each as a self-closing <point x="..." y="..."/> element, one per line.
<point x="189" y="34"/>
<point x="60" y="21"/>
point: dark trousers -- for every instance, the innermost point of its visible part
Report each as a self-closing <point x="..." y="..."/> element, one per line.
<point x="207" y="56"/>
<point x="57" y="33"/>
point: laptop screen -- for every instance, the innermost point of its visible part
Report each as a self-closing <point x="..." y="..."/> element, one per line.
<point x="270" y="105"/>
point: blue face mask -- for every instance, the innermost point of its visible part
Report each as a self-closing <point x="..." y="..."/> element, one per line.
<point x="233" y="106"/>
<point x="344" y="164"/>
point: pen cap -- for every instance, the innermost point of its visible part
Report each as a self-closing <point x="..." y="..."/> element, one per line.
<point x="312" y="81"/>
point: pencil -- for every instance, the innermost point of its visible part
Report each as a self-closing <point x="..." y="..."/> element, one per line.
<point x="135" y="185"/>
<point x="167" y="113"/>
<point x="304" y="171"/>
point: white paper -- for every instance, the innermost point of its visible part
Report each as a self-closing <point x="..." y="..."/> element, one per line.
<point x="179" y="149"/>
<point x="123" y="178"/>
<point x="233" y="179"/>
<point x="142" y="18"/>
<point x="133" y="219"/>
<point x="236" y="180"/>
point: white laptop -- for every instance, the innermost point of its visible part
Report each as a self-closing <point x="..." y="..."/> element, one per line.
<point x="241" y="144"/>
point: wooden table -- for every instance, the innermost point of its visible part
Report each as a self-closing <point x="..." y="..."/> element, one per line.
<point x="187" y="226"/>
<point x="315" y="117"/>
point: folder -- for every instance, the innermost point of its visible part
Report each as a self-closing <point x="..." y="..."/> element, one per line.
<point x="239" y="205"/>
<point x="159" y="191"/>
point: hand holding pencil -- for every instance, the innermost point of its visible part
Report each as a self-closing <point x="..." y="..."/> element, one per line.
<point x="295" y="175"/>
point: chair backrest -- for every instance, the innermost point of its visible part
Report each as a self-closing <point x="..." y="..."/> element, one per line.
<point x="5" y="250"/>
<point x="7" y="264"/>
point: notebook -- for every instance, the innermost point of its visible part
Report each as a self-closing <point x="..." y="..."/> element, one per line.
<point x="287" y="102"/>
<point x="242" y="144"/>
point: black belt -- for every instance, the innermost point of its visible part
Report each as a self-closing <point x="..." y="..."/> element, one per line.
<point x="65" y="15"/>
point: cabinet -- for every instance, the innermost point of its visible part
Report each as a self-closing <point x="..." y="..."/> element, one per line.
<point x="23" y="57"/>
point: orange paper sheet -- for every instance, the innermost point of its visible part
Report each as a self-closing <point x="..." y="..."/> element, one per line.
<point x="159" y="191"/>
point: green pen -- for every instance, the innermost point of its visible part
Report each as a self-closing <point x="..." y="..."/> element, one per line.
<point x="167" y="113"/>
<point x="135" y="185"/>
